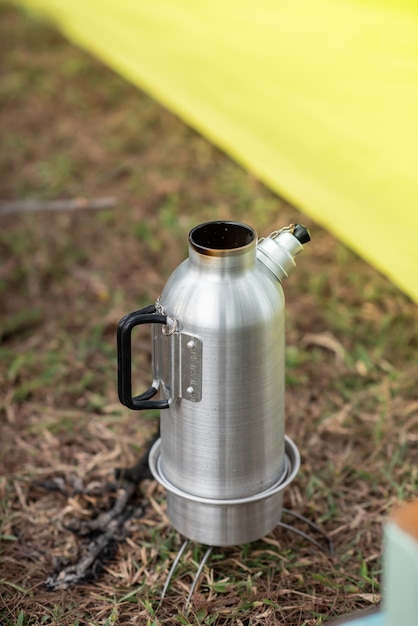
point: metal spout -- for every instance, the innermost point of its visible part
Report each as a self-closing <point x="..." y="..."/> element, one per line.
<point x="277" y="251"/>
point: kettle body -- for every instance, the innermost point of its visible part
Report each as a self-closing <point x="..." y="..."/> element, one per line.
<point x="219" y="364"/>
<point x="230" y="443"/>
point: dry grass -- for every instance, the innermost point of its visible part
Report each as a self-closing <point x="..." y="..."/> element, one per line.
<point x="70" y="128"/>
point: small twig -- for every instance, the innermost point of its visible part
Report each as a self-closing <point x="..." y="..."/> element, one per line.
<point x="71" y="204"/>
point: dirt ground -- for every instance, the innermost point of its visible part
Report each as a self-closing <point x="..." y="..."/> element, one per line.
<point x="71" y="129"/>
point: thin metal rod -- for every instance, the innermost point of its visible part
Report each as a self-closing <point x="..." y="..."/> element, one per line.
<point x="173" y="569"/>
<point x="197" y="576"/>
<point x="312" y="525"/>
<point x="297" y="531"/>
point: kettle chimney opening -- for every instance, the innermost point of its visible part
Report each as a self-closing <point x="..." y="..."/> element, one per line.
<point x="221" y="236"/>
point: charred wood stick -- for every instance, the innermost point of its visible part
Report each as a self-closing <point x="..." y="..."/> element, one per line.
<point x="73" y="485"/>
<point x="140" y="471"/>
<point x="107" y="529"/>
<point x="92" y="558"/>
<point x="103" y="521"/>
<point x="71" y="204"/>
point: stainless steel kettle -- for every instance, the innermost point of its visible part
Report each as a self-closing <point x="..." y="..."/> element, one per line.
<point x="218" y="355"/>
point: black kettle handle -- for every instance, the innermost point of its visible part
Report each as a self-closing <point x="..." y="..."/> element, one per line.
<point x="146" y="315"/>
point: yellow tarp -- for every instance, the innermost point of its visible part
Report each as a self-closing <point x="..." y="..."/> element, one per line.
<point x="319" y="98"/>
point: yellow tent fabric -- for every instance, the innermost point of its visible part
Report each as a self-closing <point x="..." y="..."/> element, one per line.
<point x="319" y="99"/>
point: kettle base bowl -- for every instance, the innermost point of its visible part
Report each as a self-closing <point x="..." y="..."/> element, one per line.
<point x="226" y="522"/>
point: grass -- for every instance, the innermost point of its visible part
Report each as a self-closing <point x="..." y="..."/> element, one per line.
<point x="73" y="128"/>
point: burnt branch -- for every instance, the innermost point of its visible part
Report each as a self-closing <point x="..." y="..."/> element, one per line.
<point x="103" y="533"/>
